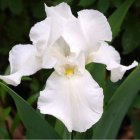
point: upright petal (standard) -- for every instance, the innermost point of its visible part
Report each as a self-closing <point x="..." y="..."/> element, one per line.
<point x="62" y="10"/>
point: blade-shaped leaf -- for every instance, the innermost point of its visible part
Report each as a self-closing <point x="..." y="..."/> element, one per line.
<point x="117" y="107"/>
<point x="36" y="126"/>
<point x="135" y="122"/>
<point x="98" y="72"/>
<point x="130" y="39"/>
<point x="116" y="19"/>
<point x="86" y="3"/>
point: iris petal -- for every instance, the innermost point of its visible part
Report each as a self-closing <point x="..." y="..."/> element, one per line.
<point x="76" y="101"/>
<point x="94" y="25"/>
<point x="110" y="57"/>
<point x="62" y="10"/>
<point x="23" y="62"/>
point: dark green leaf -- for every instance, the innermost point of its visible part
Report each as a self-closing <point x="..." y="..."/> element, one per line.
<point x="15" y="123"/>
<point x="98" y="73"/>
<point x="4" y="134"/>
<point x="16" y="6"/>
<point x="117" y="3"/>
<point x="136" y="103"/>
<point x="108" y="126"/>
<point x="59" y="1"/>
<point x="135" y="122"/>
<point x="110" y="89"/>
<point x="3" y="4"/>
<point x="33" y="98"/>
<point x="62" y="130"/>
<point x="5" y="113"/>
<point x="117" y="18"/>
<point x="130" y="39"/>
<point x="85" y="3"/>
<point x="38" y="10"/>
<point x="103" y="5"/>
<point x="35" y="125"/>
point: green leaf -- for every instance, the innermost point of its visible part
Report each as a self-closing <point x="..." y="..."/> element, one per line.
<point x="62" y="130"/>
<point x="110" y="89"/>
<point x="4" y="134"/>
<point x="38" y="9"/>
<point x="117" y="18"/>
<point x="130" y="39"/>
<point x="136" y="103"/>
<point x="108" y="126"/>
<point x="16" y="6"/>
<point x="98" y="73"/>
<point x="117" y="3"/>
<point x="55" y="2"/>
<point x="3" y="4"/>
<point x="5" y="113"/>
<point x="86" y="3"/>
<point x="15" y="123"/>
<point x="33" y="98"/>
<point x="103" y="5"/>
<point x="135" y="122"/>
<point x="35" y="125"/>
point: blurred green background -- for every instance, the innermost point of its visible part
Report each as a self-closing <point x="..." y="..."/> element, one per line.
<point x="16" y="19"/>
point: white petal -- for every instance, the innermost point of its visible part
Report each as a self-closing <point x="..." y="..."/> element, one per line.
<point x="74" y="36"/>
<point x="56" y="53"/>
<point x="39" y="34"/>
<point x="105" y="54"/>
<point x="95" y="25"/>
<point x="77" y="40"/>
<point x="59" y="55"/>
<point x="76" y="101"/>
<point x="12" y="79"/>
<point x="117" y="73"/>
<point x="23" y="62"/>
<point x="45" y="33"/>
<point x="60" y="11"/>
<point x="48" y="61"/>
<point x="110" y="57"/>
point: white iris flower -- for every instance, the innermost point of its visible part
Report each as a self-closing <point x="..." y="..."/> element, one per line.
<point x="71" y="94"/>
<point x="67" y="44"/>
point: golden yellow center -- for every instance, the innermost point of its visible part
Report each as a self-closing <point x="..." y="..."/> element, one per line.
<point x="69" y="71"/>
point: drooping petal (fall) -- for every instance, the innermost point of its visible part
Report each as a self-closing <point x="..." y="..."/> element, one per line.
<point x="76" y="101"/>
<point x="110" y="57"/>
<point x="23" y="62"/>
<point x="118" y="72"/>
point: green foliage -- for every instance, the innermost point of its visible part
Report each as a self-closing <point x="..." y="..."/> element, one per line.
<point x="118" y="16"/>
<point x="98" y="73"/>
<point x="85" y="3"/>
<point x="117" y="107"/>
<point x="136" y="103"/>
<point x="38" y="9"/>
<point x="103" y="5"/>
<point x="130" y="39"/>
<point x="121" y="98"/>
<point x="38" y="128"/>
<point x="16" y="7"/>
<point x="133" y="114"/>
